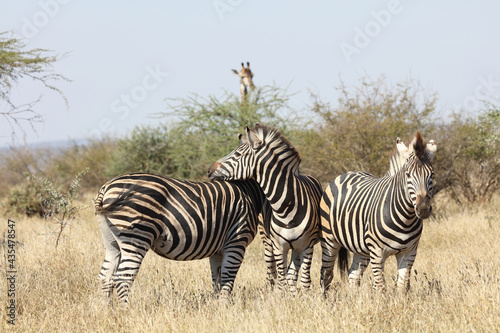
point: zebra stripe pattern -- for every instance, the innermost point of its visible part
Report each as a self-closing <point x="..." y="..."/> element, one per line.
<point x="177" y="219"/>
<point x="265" y="155"/>
<point x="377" y="217"/>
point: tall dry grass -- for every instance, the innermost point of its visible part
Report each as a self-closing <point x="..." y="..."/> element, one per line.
<point x="455" y="287"/>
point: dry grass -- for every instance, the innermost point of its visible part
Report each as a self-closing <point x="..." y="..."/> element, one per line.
<point x="456" y="287"/>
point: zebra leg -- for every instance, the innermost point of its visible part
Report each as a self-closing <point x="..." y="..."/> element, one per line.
<point x="269" y="257"/>
<point x="111" y="260"/>
<point x="280" y="257"/>
<point x="127" y="271"/>
<point x="305" y="279"/>
<point x="231" y="262"/>
<point x="377" y="260"/>
<point x="329" y="252"/>
<point x="215" y="267"/>
<point x="293" y="271"/>
<point x="134" y="250"/>
<point x="405" y="263"/>
<point x="357" y="269"/>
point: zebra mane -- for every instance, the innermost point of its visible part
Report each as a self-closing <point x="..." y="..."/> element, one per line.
<point x="419" y="146"/>
<point x="273" y="137"/>
<point x="395" y="163"/>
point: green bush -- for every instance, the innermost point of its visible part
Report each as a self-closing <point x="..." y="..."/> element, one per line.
<point x="146" y="149"/>
<point x="28" y="199"/>
<point x="94" y="155"/>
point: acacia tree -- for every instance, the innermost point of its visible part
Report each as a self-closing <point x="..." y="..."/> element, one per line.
<point x="17" y="63"/>
<point x="207" y="128"/>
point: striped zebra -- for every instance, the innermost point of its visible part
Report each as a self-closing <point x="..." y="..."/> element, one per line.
<point x="378" y="217"/>
<point x="177" y="219"/>
<point x="265" y="155"/>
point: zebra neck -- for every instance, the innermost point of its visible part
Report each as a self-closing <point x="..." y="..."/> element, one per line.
<point x="280" y="187"/>
<point x="279" y="155"/>
<point x="396" y="164"/>
<point x="401" y="201"/>
<point x="278" y="175"/>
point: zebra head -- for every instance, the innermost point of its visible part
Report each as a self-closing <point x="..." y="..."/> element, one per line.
<point x="238" y="165"/>
<point x="419" y="172"/>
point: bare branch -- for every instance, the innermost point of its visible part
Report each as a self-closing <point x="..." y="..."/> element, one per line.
<point x="16" y="64"/>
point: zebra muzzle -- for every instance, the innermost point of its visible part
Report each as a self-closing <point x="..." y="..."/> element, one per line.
<point x="212" y="171"/>
<point x="424" y="207"/>
<point x="216" y="173"/>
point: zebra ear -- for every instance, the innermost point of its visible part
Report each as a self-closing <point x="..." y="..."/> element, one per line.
<point x="400" y="145"/>
<point x="243" y="139"/>
<point x="253" y="139"/>
<point x="430" y="149"/>
<point x="402" y="149"/>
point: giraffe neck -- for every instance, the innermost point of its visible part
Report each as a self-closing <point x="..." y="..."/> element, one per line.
<point x="244" y="92"/>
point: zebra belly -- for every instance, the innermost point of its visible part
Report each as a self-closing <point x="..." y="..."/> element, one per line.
<point x="298" y="238"/>
<point x="163" y="247"/>
<point x="389" y="247"/>
<point x="191" y="241"/>
<point x="354" y="237"/>
<point x="360" y="248"/>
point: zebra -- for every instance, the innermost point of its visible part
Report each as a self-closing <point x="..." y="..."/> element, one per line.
<point x="265" y="155"/>
<point x="377" y="217"/>
<point x="177" y="219"/>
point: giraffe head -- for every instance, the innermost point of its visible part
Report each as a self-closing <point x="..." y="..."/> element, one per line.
<point x="245" y="75"/>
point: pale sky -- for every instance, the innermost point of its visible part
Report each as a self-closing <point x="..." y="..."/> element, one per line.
<point x="125" y="57"/>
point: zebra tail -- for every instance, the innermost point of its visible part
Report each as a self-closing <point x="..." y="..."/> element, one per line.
<point x="343" y="262"/>
<point x="114" y="205"/>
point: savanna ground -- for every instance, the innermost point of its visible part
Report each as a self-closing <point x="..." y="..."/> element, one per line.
<point x="455" y="286"/>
